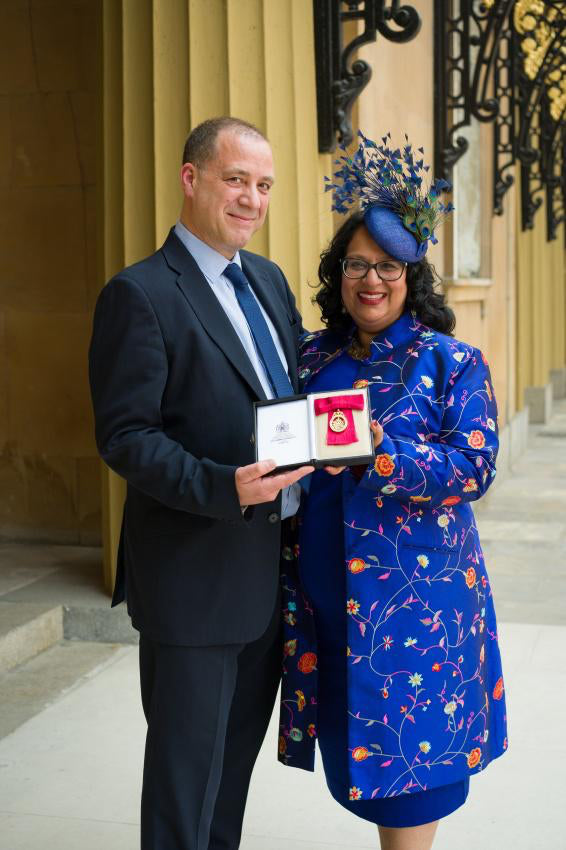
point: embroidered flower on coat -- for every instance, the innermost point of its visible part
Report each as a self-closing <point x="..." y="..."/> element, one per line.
<point x="476" y="440"/>
<point x="389" y="489"/>
<point x="470" y="486"/>
<point x="355" y="793"/>
<point x="357" y="565"/>
<point x="424" y="746"/>
<point x="360" y="753"/>
<point x="474" y="757"/>
<point x="384" y="465"/>
<point x="498" y="689"/>
<point x="290" y="647"/>
<point x="415" y="679"/>
<point x="352" y="607"/>
<point x="307" y="662"/>
<point x="470" y="577"/>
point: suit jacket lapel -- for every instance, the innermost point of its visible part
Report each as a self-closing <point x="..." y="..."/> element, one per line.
<point x="214" y="320"/>
<point x="264" y="288"/>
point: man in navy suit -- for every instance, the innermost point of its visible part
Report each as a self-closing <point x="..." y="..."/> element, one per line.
<point x="183" y="343"/>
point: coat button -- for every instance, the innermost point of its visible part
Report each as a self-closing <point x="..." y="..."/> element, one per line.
<point x="252" y="439"/>
<point x="273" y="518"/>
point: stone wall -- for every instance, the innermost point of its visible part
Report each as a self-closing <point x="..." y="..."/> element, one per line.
<point x="49" y="473"/>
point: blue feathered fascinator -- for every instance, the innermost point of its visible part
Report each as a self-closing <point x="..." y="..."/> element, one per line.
<point x="401" y="212"/>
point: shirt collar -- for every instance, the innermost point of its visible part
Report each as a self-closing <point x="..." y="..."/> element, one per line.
<point x="210" y="262"/>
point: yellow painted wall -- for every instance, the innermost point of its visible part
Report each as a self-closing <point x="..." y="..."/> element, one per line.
<point x="49" y="472"/>
<point x="80" y="199"/>
<point x="541" y="303"/>
<point x="168" y="65"/>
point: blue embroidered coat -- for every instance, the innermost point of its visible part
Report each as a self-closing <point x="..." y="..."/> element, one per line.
<point x="426" y="698"/>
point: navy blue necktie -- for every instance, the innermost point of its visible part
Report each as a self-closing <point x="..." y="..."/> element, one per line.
<point x="258" y="326"/>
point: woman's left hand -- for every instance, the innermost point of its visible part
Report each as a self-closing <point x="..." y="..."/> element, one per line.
<point x="377" y="433"/>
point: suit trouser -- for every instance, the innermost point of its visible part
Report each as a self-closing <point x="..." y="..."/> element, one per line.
<point x="207" y="710"/>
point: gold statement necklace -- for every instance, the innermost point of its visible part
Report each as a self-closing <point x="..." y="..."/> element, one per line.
<point x="357" y="350"/>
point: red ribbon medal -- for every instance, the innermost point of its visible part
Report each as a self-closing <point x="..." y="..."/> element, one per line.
<point x="341" y="429"/>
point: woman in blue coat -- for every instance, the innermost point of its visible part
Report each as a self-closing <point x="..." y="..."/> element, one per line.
<point x="391" y="650"/>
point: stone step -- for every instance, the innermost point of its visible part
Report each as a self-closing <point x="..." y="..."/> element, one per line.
<point x="27" y="689"/>
<point x="26" y="629"/>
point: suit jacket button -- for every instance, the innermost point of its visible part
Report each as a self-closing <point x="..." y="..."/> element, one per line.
<point x="273" y="518"/>
<point x="252" y="439"/>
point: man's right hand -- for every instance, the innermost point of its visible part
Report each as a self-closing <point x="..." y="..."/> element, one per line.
<point x="255" y="485"/>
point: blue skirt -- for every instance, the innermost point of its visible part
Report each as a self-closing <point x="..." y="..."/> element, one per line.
<point x="323" y="578"/>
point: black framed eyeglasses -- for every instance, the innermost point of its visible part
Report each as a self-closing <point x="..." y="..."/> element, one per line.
<point x="355" y="268"/>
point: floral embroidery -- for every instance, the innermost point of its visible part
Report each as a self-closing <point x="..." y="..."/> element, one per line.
<point x="498" y="689"/>
<point x="470" y="577"/>
<point x="451" y="500"/>
<point x="389" y="489"/>
<point x="307" y="662"/>
<point x="290" y="647"/>
<point x="474" y="758"/>
<point x="384" y="465"/>
<point x="476" y="440"/>
<point x="471" y="485"/>
<point x="425" y="686"/>
<point x="357" y="565"/>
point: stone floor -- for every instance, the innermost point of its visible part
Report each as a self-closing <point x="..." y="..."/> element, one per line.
<point x="70" y="775"/>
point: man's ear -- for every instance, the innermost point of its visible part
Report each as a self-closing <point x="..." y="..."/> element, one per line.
<point x="188" y="177"/>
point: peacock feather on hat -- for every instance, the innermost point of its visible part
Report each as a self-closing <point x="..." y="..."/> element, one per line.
<point x="376" y="175"/>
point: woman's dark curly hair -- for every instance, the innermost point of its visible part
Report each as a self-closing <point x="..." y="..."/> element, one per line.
<point x="428" y="304"/>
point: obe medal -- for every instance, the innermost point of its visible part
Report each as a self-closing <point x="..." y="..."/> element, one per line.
<point x="338" y="422"/>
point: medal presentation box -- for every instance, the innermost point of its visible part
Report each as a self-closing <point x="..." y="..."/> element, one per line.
<point x="316" y="429"/>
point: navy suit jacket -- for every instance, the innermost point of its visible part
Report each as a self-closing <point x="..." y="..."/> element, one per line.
<point x="173" y="393"/>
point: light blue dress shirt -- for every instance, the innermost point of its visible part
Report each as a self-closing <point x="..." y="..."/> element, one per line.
<point x="212" y="265"/>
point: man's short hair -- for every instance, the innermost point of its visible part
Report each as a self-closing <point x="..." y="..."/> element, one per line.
<point x="201" y="142"/>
